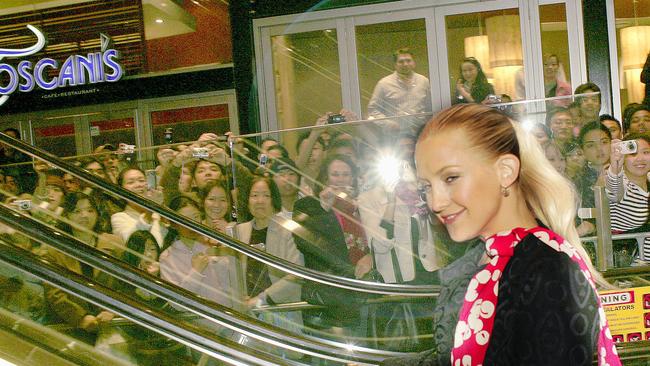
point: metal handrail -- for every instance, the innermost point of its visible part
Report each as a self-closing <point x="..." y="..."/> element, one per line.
<point x="279" y="263"/>
<point x="195" y="337"/>
<point x="215" y="313"/>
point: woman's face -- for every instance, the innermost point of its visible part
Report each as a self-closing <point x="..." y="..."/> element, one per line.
<point x="640" y="122"/>
<point x="575" y="160"/>
<point x="216" y="203"/>
<point x="135" y="181"/>
<point x="596" y="147"/>
<point x="259" y="201"/>
<point x="339" y="174"/>
<point x="462" y="185"/>
<point x="551" y="67"/>
<point x="469" y="71"/>
<point x="191" y="213"/>
<point x="556" y="159"/>
<point x="638" y="164"/>
<point x="84" y="214"/>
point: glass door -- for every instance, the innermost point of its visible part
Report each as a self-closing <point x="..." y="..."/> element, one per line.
<point x="302" y="74"/>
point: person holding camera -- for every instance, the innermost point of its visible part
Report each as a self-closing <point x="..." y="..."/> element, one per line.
<point x="472" y="86"/>
<point x="627" y="191"/>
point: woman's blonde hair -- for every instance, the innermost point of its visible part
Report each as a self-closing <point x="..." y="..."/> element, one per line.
<point x="550" y="196"/>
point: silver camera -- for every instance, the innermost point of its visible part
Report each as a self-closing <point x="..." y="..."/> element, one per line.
<point x="627" y="147"/>
<point x="126" y="149"/>
<point x="23" y="205"/>
<point x="200" y="152"/>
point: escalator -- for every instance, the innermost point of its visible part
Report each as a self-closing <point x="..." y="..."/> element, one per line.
<point x="138" y="318"/>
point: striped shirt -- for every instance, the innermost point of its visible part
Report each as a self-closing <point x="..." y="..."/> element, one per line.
<point x="628" y="206"/>
<point x="628" y="202"/>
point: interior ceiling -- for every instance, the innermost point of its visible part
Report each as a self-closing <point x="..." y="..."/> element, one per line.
<point x="162" y="18"/>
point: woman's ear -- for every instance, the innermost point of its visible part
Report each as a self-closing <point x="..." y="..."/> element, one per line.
<point x="507" y="169"/>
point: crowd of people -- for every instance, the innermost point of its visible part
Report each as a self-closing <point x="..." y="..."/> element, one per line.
<point x="333" y="205"/>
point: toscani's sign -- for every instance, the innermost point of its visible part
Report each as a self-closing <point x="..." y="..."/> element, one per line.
<point x="93" y="68"/>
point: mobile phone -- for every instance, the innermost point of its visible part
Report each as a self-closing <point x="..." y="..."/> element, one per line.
<point x="628" y="147"/>
<point x="151" y="178"/>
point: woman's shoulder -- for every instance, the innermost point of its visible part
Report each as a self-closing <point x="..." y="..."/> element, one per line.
<point x="544" y="254"/>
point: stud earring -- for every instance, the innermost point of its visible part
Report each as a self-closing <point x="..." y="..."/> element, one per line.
<point x="505" y="191"/>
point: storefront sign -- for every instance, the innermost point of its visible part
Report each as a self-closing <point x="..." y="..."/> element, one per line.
<point x="628" y="313"/>
<point x="93" y="68"/>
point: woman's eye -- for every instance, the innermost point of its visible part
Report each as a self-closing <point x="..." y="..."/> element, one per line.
<point x="451" y="178"/>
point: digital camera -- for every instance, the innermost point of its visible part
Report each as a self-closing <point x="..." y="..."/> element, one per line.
<point x="335" y="118"/>
<point x="23" y="205"/>
<point x="200" y="152"/>
<point x="627" y="147"/>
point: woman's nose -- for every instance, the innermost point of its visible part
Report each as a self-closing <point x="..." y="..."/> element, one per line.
<point x="438" y="200"/>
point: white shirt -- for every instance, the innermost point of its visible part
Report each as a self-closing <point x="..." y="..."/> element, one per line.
<point x="394" y="96"/>
<point x="127" y="222"/>
<point x="216" y="282"/>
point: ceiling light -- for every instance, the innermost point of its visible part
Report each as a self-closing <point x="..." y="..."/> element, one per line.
<point x="159" y="21"/>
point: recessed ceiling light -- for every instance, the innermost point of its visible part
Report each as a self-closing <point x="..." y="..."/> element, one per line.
<point x="159" y="21"/>
<point x="163" y="4"/>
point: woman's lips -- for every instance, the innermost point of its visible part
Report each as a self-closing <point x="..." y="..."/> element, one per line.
<point x="449" y="219"/>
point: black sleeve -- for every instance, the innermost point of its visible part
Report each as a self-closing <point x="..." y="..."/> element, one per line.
<point x="547" y="312"/>
<point x="645" y="73"/>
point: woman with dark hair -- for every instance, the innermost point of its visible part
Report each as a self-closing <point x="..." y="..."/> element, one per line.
<point x="82" y="221"/>
<point x="268" y="231"/>
<point x="135" y="217"/>
<point x="332" y="240"/>
<point x="190" y="264"/>
<point x="217" y="207"/>
<point x="555" y="83"/>
<point x="472" y="86"/>
<point x="627" y="190"/>
<point x="146" y="346"/>
<point x="264" y="202"/>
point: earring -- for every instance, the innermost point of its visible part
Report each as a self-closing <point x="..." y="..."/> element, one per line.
<point x="505" y="191"/>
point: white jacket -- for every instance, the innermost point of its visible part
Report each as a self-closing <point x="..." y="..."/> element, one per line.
<point x="279" y="242"/>
<point x="372" y="205"/>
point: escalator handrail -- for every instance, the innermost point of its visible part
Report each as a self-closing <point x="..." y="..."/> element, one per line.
<point x="193" y="336"/>
<point x="249" y="251"/>
<point x="213" y="312"/>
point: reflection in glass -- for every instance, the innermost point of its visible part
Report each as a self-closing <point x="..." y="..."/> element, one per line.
<point x="555" y="50"/>
<point x="493" y="39"/>
<point x="307" y="76"/>
<point x="393" y="70"/>
<point x="633" y="38"/>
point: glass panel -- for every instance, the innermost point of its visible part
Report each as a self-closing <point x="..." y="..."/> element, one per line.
<point x="112" y="128"/>
<point x="485" y="56"/>
<point x="307" y="76"/>
<point x="555" y="49"/>
<point x="57" y="136"/>
<point x="391" y="83"/>
<point x="633" y="39"/>
<point x="187" y="124"/>
<point x="336" y="222"/>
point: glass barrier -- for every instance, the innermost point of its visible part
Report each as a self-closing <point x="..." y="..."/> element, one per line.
<point x="339" y="198"/>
